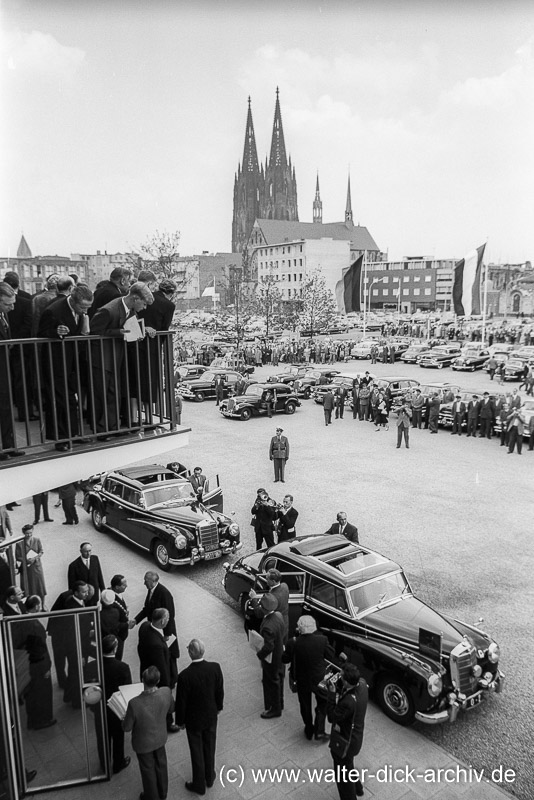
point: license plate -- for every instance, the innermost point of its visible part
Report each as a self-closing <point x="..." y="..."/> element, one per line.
<point x="212" y="555"/>
<point x="472" y="701"/>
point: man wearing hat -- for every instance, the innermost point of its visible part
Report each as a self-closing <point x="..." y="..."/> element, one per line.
<point x="279" y="453"/>
<point x="458" y="414"/>
<point x="270" y="655"/>
<point x="487" y="416"/>
<point x="472" y="416"/>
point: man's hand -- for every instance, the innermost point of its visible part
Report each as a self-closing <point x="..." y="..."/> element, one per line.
<point x="62" y="330"/>
<point x="150" y="331"/>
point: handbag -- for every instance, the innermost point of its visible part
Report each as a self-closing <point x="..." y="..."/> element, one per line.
<point x="293" y="676"/>
<point x="339" y="746"/>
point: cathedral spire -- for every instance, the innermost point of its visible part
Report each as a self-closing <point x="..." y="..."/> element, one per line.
<point x="317" y="204"/>
<point x="250" y="152"/>
<point x="348" y="207"/>
<point x="278" y="148"/>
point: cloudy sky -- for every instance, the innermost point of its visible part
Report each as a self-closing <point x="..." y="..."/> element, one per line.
<point x="121" y="118"/>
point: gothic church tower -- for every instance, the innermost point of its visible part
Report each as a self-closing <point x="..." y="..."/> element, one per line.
<point x="259" y="194"/>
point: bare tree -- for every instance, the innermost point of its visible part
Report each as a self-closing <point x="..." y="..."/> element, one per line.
<point x="161" y="254"/>
<point x="319" y="307"/>
<point x="268" y="301"/>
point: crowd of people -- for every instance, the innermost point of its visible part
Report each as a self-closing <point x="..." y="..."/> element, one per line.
<point x="63" y="382"/>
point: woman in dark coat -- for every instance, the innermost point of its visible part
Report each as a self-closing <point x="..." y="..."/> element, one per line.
<point x="347" y="714"/>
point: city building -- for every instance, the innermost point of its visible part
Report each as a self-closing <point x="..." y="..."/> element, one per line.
<point x="34" y="270"/>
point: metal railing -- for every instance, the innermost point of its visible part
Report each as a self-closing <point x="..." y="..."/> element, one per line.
<point x="63" y="392"/>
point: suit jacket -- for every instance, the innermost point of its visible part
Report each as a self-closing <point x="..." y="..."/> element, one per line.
<point x="515" y="415"/>
<point x="350" y="532"/>
<point x="113" y="620"/>
<point x="279" y="448"/>
<point x="59" y="313"/>
<point x="458" y="407"/>
<point x="308" y="653"/>
<point x="161" y="598"/>
<point x="199" y="695"/>
<point x="487" y="409"/>
<point x="350" y="709"/>
<point x="272" y="629"/>
<point x="20" y="318"/>
<point x="472" y="409"/>
<point x="105" y="293"/>
<point x="116" y="673"/>
<point x="404" y="418"/>
<point x="328" y="401"/>
<point x="108" y="321"/>
<point x="153" y="652"/>
<point x="93" y="574"/>
<point x="281" y="593"/>
<point x="159" y="314"/>
<point x="146" y="718"/>
<point x="286" y="524"/>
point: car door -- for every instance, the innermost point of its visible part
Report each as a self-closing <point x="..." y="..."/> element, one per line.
<point x="230" y="381"/>
<point x="114" y="507"/>
<point x="295" y="580"/>
<point x="212" y="497"/>
<point x="132" y="522"/>
<point x="328" y="604"/>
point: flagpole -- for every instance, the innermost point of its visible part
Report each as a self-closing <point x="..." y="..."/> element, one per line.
<point x="484" y="310"/>
<point x="364" y="293"/>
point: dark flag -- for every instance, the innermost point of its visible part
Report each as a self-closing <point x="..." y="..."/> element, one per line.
<point x="349" y="288"/>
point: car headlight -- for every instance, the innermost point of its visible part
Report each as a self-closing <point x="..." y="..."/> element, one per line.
<point x="494" y="652"/>
<point x="233" y="529"/>
<point x="434" y="685"/>
<point x="180" y="541"/>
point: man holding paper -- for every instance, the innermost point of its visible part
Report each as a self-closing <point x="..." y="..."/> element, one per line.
<point x="117" y="319"/>
<point x="272" y="631"/>
<point x="153" y="650"/>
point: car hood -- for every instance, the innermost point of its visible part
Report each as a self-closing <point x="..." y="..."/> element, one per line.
<point x="244" y="398"/>
<point x="403" y="620"/>
<point x="189" y="514"/>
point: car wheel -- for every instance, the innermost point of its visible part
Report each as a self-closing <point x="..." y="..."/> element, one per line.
<point x="246" y="413"/>
<point x="243" y="600"/>
<point x="440" y="366"/>
<point x="98" y="518"/>
<point x="290" y="408"/>
<point x="307" y="393"/>
<point x="472" y="369"/>
<point x="368" y="357"/>
<point x="199" y="397"/>
<point x="395" y="700"/>
<point x="161" y="555"/>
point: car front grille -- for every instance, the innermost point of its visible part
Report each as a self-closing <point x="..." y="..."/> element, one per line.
<point x="208" y="535"/>
<point x="463" y="659"/>
<point x="230" y="403"/>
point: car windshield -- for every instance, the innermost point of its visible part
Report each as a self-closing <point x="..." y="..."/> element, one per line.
<point x="384" y="590"/>
<point x="208" y="376"/>
<point x="256" y="390"/>
<point x="168" y="494"/>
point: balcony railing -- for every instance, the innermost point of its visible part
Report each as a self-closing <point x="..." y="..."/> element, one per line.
<point x="59" y="393"/>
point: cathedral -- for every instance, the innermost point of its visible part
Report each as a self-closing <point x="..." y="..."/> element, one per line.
<point x="268" y="192"/>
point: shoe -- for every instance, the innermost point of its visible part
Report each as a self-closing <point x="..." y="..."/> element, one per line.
<point x="209" y="784"/>
<point x="276" y="480"/>
<point x="270" y="714"/>
<point x="398" y="447"/>
<point x="103" y="438"/>
<point x="124" y="763"/>
<point x="190" y="788"/>
<point x="62" y="448"/>
<point x="35" y="522"/>
<point x="322" y="737"/>
<point x="84" y="440"/>
<point x="308" y="735"/>
<point x="407" y="447"/>
<point x="48" y="520"/>
<point x="282" y="481"/>
<point x="15" y="453"/>
<point x="30" y="775"/>
<point x="172" y="728"/>
<point x="66" y="523"/>
<point x="359" y="791"/>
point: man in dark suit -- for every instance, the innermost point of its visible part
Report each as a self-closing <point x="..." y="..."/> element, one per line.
<point x="472" y="416"/>
<point x="287" y="517"/>
<point x="60" y="320"/>
<point x="108" y="356"/>
<point x="348" y="713"/>
<point x="486" y="414"/>
<point x="116" y="674"/>
<point x="152" y="647"/>
<point x="7" y="434"/>
<point x="279" y="454"/>
<point x="56" y="630"/>
<point x="272" y="631"/>
<point x="13" y="604"/>
<point x="106" y="291"/>
<point x="341" y="396"/>
<point x="86" y="568"/>
<point x="328" y="405"/>
<point x="199" y="700"/>
<point x="458" y="414"/>
<point x="198" y="482"/>
<point x="145" y="718"/>
<point x="157" y="317"/>
<point x="308" y="653"/>
<point x="80" y="593"/>
<point x="158" y="596"/>
<point x="22" y="356"/>
<point x="344" y="528"/>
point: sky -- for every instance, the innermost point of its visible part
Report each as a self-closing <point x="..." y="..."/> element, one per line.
<point x="122" y="118"/>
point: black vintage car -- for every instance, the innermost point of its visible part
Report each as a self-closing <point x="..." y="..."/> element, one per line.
<point x="439" y="356"/>
<point x="289" y="374"/>
<point x="188" y="372"/>
<point x="256" y="399"/>
<point x="204" y="387"/>
<point x="421" y="665"/>
<point x="158" y="511"/>
<point x="470" y="359"/>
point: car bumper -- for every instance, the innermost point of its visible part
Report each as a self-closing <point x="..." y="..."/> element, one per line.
<point x="202" y="555"/>
<point x="234" y="414"/>
<point x="462" y="703"/>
